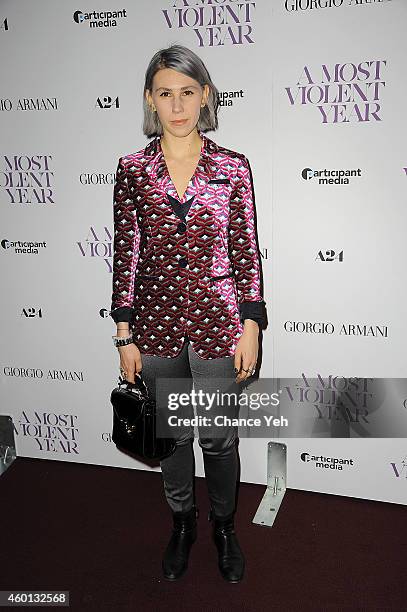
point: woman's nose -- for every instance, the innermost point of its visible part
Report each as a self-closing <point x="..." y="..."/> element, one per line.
<point x="177" y="104"/>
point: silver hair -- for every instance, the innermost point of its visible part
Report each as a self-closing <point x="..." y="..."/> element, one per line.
<point x="183" y="60"/>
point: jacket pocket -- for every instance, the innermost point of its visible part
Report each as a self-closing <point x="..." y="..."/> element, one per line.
<point x="219" y="181"/>
<point x="220" y="277"/>
<point x="148" y="276"/>
<point x="220" y="287"/>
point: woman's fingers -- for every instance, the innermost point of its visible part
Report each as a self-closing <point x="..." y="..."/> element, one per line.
<point x="129" y="373"/>
<point x="139" y="365"/>
<point x="248" y="365"/>
<point x="238" y="362"/>
<point x="130" y="362"/>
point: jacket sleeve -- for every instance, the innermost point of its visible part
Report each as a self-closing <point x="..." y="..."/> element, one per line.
<point x="243" y="249"/>
<point x="126" y="243"/>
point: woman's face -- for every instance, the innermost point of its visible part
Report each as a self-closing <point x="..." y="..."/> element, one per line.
<point x="177" y="96"/>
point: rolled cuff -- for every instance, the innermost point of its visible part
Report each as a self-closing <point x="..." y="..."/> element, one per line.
<point x="253" y="310"/>
<point x="124" y="314"/>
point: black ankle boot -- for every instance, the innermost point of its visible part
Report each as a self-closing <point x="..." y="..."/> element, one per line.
<point x="175" y="561"/>
<point x="230" y="557"/>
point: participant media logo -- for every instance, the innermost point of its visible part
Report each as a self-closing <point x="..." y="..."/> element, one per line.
<point x="327" y="463"/>
<point x="99" y="19"/>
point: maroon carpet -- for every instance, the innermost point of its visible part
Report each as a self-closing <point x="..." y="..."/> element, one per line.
<point x="99" y="532"/>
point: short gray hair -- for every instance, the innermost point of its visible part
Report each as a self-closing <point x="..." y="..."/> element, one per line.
<point x="187" y="62"/>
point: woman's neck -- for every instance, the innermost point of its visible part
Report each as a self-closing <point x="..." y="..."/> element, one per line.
<point x="177" y="148"/>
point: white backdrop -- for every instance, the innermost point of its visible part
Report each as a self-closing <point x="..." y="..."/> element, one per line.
<point x="310" y="87"/>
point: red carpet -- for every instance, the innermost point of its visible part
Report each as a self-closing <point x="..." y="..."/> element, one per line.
<point x="76" y="527"/>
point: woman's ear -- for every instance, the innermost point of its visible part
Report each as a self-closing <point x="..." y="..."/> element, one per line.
<point x="206" y="95"/>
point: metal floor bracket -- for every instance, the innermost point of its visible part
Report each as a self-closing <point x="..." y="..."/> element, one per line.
<point x="276" y="484"/>
<point x="7" y="443"/>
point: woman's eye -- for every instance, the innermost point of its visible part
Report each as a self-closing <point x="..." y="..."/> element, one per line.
<point x="164" y="93"/>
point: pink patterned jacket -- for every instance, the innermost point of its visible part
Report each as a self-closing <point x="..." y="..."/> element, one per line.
<point x="185" y="267"/>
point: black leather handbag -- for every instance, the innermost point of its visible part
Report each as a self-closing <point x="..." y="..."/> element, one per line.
<point x="135" y="421"/>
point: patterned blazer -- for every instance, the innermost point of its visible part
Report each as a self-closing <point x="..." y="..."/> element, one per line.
<point x="186" y="267"/>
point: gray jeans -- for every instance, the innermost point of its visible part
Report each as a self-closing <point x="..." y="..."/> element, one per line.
<point x="220" y="455"/>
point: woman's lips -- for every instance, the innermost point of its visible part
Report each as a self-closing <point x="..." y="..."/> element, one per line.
<point x="179" y="122"/>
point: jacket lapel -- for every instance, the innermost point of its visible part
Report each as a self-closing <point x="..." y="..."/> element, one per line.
<point x="206" y="170"/>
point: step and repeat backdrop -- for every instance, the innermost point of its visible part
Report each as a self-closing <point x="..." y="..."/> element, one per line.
<point x="313" y="93"/>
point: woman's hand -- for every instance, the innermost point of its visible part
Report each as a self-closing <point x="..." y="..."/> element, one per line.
<point x="130" y="361"/>
<point x="247" y="350"/>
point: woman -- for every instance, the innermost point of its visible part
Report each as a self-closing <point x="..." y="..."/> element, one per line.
<point x="186" y="280"/>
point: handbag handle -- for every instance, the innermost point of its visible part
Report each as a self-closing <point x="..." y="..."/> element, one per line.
<point x="123" y="381"/>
